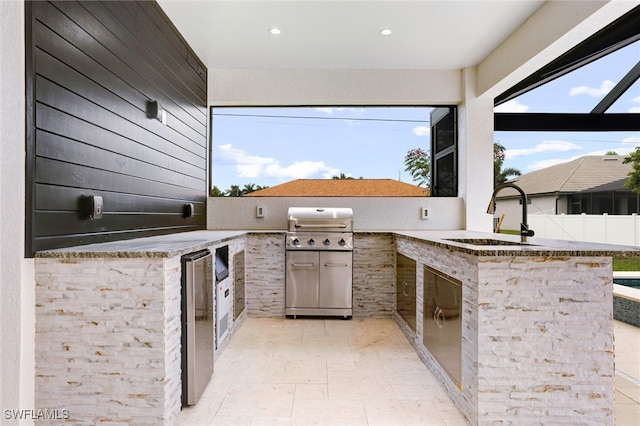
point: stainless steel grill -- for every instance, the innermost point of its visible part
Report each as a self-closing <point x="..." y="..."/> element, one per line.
<point x="319" y="262"/>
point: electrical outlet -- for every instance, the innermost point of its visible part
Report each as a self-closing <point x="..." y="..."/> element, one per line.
<point x="424" y="213"/>
<point x="95" y="207"/>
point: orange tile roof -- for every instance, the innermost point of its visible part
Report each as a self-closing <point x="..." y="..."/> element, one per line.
<point x="342" y="188"/>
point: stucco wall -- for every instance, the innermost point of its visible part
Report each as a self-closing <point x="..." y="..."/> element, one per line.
<point x="252" y="87"/>
<point x="16" y="273"/>
<point x="475" y="154"/>
<point x="370" y="213"/>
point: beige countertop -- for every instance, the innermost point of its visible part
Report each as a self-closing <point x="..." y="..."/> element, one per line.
<point x="488" y="244"/>
<point x="187" y="242"/>
<point x="159" y="246"/>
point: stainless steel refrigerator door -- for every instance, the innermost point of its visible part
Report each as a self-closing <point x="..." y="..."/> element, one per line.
<point x="302" y="279"/>
<point x="335" y="279"/>
<point x="199" y="274"/>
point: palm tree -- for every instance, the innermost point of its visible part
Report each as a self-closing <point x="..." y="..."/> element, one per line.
<point x="216" y="192"/>
<point x="249" y="188"/>
<point x="342" y="176"/>
<point x="501" y="175"/>
<point x="234" y="191"/>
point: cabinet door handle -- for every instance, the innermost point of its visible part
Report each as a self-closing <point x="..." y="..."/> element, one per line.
<point x="438" y="315"/>
<point x="336" y="265"/>
<point x="404" y="288"/>
<point x="303" y="265"/>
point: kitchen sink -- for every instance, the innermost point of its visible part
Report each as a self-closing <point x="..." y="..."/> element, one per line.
<point x="487" y="242"/>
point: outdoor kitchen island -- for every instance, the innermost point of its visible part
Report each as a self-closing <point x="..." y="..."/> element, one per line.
<point x="537" y="330"/>
<point x="536" y="325"/>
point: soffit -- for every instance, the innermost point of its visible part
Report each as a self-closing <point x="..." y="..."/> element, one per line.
<point x="436" y="35"/>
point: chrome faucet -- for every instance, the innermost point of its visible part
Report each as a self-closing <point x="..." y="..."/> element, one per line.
<point x="524" y="228"/>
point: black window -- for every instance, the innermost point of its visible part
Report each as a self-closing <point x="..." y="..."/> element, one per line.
<point x="444" y="152"/>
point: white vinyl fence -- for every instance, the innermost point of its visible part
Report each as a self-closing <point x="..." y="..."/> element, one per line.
<point x="610" y="229"/>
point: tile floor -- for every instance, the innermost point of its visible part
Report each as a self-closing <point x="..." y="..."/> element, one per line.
<point x="321" y="372"/>
<point x="627" y="359"/>
<point x="358" y="372"/>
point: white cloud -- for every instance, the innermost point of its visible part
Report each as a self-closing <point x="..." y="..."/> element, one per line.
<point x="253" y="166"/>
<point x="511" y="106"/>
<point x="629" y="145"/>
<point x="299" y="170"/>
<point x="635" y="140"/>
<point x="326" y="110"/>
<point x="331" y="110"/>
<point x="636" y="99"/>
<point x="545" y="146"/>
<point x="595" y="92"/>
<point x="634" y="109"/>
<point x="352" y="123"/>
<point x="421" y="131"/>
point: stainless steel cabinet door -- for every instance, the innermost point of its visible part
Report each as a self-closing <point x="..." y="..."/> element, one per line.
<point x="335" y="279"/>
<point x="302" y="279"/>
<point x="442" y="319"/>
<point x="238" y="281"/>
<point x="406" y="289"/>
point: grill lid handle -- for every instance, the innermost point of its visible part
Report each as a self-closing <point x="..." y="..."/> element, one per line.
<point x="303" y="225"/>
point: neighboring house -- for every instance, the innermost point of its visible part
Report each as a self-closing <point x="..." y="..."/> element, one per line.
<point x="589" y="184"/>
<point x="342" y="188"/>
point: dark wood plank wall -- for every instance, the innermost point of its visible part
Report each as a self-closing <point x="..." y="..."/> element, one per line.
<point x="94" y="66"/>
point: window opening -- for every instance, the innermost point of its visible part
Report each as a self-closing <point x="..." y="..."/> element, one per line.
<point x="258" y="147"/>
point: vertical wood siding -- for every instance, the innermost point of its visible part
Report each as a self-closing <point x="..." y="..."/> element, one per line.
<point x="93" y="67"/>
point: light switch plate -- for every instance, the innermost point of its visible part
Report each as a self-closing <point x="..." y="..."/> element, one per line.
<point x="260" y="211"/>
<point x="424" y="213"/>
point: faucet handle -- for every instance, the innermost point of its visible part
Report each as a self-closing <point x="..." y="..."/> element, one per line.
<point x="525" y="231"/>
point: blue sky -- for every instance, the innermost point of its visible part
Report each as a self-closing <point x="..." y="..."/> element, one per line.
<point x="251" y="145"/>
<point x="579" y="91"/>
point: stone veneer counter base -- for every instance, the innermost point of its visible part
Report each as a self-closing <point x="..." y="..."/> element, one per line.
<point x="537" y="327"/>
<point x="108" y="327"/>
<point x="108" y="321"/>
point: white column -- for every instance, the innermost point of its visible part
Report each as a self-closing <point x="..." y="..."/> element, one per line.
<point x="475" y="154"/>
<point x="16" y="273"/>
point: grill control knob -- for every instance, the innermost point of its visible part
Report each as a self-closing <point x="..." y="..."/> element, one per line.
<point x="342" y="242"/>
<point x="296" y="242"/>
<point x="311" y="242"/>
<point x="326" y="242"/>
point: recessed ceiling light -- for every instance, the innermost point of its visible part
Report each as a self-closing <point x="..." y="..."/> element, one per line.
<point x="274" y="31"/>
<point x="385" y="32"/>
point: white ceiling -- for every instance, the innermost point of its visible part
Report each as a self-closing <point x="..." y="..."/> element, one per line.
<point x="344" y="34"/>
